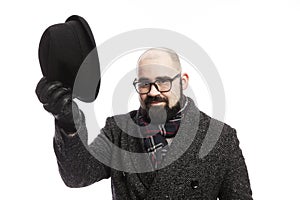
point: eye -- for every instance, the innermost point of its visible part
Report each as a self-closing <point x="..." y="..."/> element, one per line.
<point x="143" y="84"/>
<point x="162" y="81"/>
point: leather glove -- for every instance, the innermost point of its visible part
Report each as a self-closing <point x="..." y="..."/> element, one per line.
<point x="57" y="100"/>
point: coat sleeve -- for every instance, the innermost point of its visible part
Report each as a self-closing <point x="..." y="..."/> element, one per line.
<point x="77" y="166"/>
<point x="236" y="184"/>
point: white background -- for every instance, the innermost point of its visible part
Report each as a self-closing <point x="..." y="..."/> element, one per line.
<point x="254" y="45"/>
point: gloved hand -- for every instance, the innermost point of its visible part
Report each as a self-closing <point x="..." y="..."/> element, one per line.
<point x="57" y="100"/>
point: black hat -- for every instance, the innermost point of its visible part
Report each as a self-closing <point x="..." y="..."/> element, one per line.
<point x="63" y="50"/>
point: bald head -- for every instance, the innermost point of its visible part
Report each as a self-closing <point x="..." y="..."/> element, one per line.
<point x="160" y="57"/>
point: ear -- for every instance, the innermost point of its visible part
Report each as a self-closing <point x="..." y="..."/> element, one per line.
<point x="185" y="80"/>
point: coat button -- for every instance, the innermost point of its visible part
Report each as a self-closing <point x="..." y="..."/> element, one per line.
<point x="195" y="184"/>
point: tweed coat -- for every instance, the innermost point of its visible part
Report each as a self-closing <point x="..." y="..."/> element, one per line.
<point x="204" y="160"/>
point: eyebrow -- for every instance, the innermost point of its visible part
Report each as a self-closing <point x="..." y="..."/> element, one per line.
<point x="157" y="78"/>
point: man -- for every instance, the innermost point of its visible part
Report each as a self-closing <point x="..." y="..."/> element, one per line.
<point x="167" y="127"/>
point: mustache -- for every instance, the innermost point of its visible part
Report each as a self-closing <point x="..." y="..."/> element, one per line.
<point x="151" y="99"/>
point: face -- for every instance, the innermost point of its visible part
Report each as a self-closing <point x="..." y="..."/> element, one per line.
<point x="159" y="66"/>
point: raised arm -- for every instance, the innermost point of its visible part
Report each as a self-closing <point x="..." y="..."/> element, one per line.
<point x="77" y="167"/>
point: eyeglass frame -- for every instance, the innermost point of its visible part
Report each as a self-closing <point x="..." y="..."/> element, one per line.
<point x="155" y="85"/>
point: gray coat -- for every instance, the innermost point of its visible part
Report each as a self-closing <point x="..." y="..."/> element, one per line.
<point x="202" y="163"/>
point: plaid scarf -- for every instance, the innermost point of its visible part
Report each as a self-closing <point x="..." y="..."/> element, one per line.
<point x="155" y="135"/>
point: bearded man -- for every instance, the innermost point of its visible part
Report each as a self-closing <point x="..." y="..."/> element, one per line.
<point x="151" y="152"/>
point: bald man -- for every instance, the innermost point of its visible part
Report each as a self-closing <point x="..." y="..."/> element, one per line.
<point x="151" y="152"/>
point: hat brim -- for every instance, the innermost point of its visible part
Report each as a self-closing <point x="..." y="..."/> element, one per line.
<point x="85" y="26"/>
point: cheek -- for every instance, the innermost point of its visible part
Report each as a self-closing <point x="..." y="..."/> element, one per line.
<point x="173" y="98"/>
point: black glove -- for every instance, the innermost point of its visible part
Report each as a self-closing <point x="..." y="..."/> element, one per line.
<point x="57" y="100"/>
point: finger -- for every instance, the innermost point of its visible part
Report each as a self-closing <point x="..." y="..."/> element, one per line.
<point x="63" y="104"/>
<point x="41" y="84"/>
<point x="48" y="91"/>
<point x="55" y="99"/>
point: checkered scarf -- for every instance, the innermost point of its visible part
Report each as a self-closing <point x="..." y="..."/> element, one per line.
<point x="155" y="136"/>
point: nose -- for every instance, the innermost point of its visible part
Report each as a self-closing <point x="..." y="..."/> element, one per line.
<point x="153" y="91"/>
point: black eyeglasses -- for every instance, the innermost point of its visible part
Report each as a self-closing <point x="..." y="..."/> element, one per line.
<point x="162" y="85"/>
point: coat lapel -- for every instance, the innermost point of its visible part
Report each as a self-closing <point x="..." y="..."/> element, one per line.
<point x="181" y="151"/>
<point x="138" y="159"/>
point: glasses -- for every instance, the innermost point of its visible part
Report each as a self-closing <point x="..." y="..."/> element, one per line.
<point x="161" y="85"/>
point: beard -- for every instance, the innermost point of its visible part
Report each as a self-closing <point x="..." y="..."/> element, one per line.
<point x="160" y="114"/>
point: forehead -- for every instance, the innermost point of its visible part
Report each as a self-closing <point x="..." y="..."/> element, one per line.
<point x="157" y="63"/>
<point x="152" y="72"/>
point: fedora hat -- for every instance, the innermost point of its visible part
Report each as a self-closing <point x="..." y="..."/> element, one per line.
<point x="67" y="48"/>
